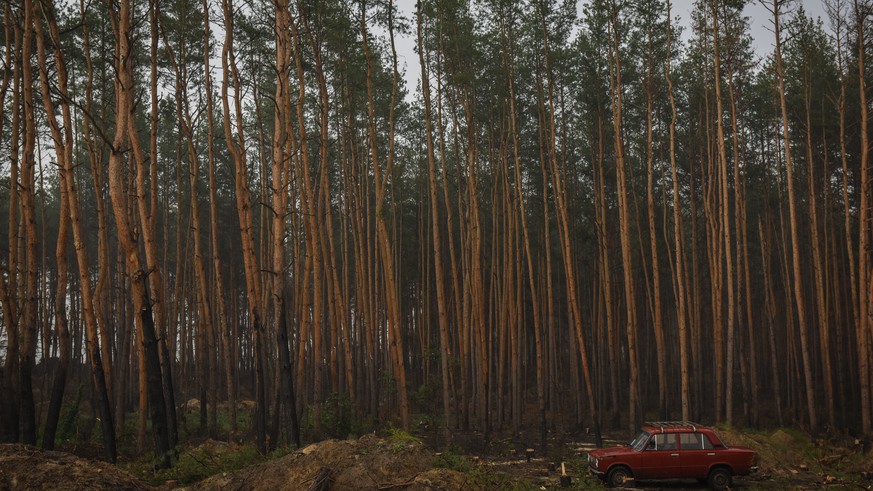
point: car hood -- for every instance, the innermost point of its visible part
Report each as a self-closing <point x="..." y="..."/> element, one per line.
<point x="611" y="451"/>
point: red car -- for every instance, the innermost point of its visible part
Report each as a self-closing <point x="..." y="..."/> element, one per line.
<point x="673" y="450"/>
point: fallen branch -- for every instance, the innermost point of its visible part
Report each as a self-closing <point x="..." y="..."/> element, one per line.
<point x="321" y="481"/>
<point x="400" y="484"/>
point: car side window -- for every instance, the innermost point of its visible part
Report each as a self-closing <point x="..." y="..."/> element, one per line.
<point x="690" y="441"/>
<point x="707" y="443"/>
<point x="662" y="442"/>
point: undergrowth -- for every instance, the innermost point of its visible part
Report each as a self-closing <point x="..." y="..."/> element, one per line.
<point x="197" y="463"/>
<point x="454" y="462"/>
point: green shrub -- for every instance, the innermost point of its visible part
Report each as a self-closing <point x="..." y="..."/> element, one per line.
<point x="428" y="395"/>
<point x="67" y="424"/>
<point x="398" y="435"/>
<point x="453" y="461"/>
<point x="197" y="463"/>
<point x="339" y="419"/>
<point x="401" y="440"/>
<point x="336" y="415"/>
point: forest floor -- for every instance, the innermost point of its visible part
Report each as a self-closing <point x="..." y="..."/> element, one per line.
<point x="396" y="460"/>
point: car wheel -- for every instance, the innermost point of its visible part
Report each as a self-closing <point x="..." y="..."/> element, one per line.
<point x="719" y="478"/>
<point x="618" y="476"/>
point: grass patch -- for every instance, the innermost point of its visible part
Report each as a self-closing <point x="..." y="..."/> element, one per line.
<point x="339" y="418"/>
<point x="480" y="478"/>
<point x="578" y="468"/>
<point x="401" y="440"/>
<point x="400" y="436"/>
<point x="454" y="462"/>
<point x="197" y="463"/>
<point x="797" y="435"/>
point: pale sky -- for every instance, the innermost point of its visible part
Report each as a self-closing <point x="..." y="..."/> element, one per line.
<point x="760" y="20"/>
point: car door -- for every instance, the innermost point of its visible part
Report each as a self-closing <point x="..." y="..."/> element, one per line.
<point x="697" y="454"/>
<point x="660" y="459"/>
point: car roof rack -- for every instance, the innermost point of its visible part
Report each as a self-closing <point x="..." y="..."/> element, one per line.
<point x="664" y="425"/>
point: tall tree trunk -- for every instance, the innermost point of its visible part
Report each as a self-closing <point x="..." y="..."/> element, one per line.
<point x="820" y="301"/>
<point x="68" y="183"/>
<point x="30" y="294"/>
<point x="121" y="20"/>
<point x="743" y="281"/>
<point x="635" y="414"/>
<point x="201" y="288"/>
<point x="612" y="356"/>
<point x="508" y="48"/>
<point x="148" y="218"/>
<point x="395" y="340"/>
<point x="660" y="343"/>
<point x="770" y="299"/>
<point x="281" y="168"/>
<point x="725" y="227"/>
<point x="442" y="312"/>
<point x="560" y="196"/>
<point x="863" y="329"/>
<point x="478" y="322"/>
<point x="64" y="153"/>
<point x="840" y="37"/>
<point x="95" y="157"/>
<point x="795" y="235"/>
<point x="461" y="400"/>
<point x="681" y="309"/>
<point x="228" y="57"/>
<point x="236" y="145"/>
<point x="313" y="302"/>
<point x="9" y="428"/>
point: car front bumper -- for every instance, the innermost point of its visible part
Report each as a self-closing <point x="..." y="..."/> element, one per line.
<point x="593" y="463"/>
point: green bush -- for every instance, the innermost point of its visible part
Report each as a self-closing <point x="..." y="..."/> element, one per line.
<point x="401" y="440"/>
<point x="197" y="463"/>
<point x="428" y="395"/>
<point x="67" y="424"/>
<point x="453" y="461"/>
<point x="339" y="419"/>
<point x="397" y="435"/>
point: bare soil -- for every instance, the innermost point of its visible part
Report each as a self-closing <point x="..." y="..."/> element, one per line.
<point x="366" y="463"/>
<point x="25" y="467"/>
<point x="793" y="460"/>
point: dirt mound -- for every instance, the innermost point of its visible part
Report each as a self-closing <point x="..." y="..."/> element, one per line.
<point x="790" y="459"/>
<point x="780" y="451"/>
<point x="26" y="467"/>
<point x="781" y="438"/>
<point x="367" y="463"/>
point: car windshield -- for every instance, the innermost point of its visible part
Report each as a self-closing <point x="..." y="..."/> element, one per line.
<point x="639" y="441"/>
